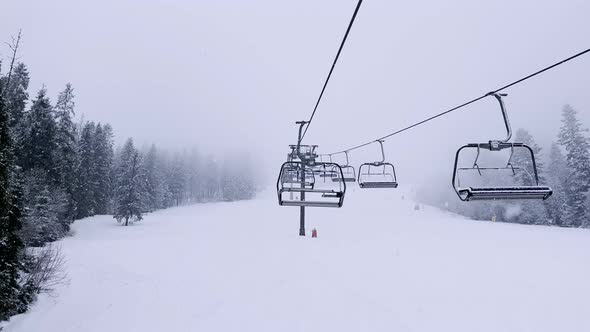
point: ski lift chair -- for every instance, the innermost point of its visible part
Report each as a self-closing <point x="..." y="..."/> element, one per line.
<point x="378" y="174"/>
<point x="348" y="171"/>
<point x="294" y="176"/>
<point x="504" y="192"/>
<point x="306" y="152"/>
<point x="302" y="195"/>
<point x="326" y="172"/>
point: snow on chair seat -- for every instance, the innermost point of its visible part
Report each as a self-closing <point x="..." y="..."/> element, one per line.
<point x="513" y="192"/>
<point x="376" y="185"/>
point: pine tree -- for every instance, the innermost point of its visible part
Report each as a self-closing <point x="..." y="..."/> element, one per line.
<point x="67" y="154"/>
<point x="10" y="223"/>
<point x="43" y="204"/>
<point x="109" y="165"/>
<point x="522" y="159"/>
<point x="44" y="215"/>
<point x="16" y="94"/>
<point x="86" y="173"/>
<point x="154" y="186"/>
<point x="577" y="146"/>
<point x="103" y="156"/>
<point x="39" y="141"/>
<point x="229" y="183"/>
<point x="176" y="182"/>
<point x="557" y="177"/>
<point x="128" y="193"/>
<point x="531" y="212"/>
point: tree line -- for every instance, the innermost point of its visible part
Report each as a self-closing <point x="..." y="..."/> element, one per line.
<point x="54" y="171"/>
<point x="566" y="169"/>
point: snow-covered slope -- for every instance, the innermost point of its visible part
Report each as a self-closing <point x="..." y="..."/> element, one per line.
<point x="377" y="265"/>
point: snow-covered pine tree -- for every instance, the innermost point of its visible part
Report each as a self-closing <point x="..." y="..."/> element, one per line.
<point x="44" y="217"/>
<point x="103" y="162"/>
<point x="86" y="173"/>
<point x="128" y="191"/>
<point x="577" y="146"/>
<point x="558" y="174"/>
<point x="176" y="181"/>
<point x="10" y="223"/>
<point x="522" y="158"/>
<point x="110" y="173"/>
<point x="39" y="141"/>
<point x="16" y="94"/>
<point x="43" y="204"/>
<point x="229" y="182"/>
<point x="531" y="212"/>
<point x="67" y="154"/>
<point x="154" y="180"/>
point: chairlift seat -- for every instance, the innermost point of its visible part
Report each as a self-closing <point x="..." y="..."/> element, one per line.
<point x="299" y="184"/>
<point x="503" y="192"/>
<point x="348" y="173"/>
<point x="332" y="195"/>
<point x="377" y="185"/>
<point x="327" y="174"/>
<point x="324" y="194"/>
<point x="344" y="179"/>
<point x="311" y="204"/>
<point x="386" y="178"/>
<point x="507" y="192"/>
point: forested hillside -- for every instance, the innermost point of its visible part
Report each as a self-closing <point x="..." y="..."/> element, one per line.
<point x="57" y="168"/>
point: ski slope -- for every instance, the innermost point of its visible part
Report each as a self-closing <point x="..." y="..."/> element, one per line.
<point x="377" y="265"/>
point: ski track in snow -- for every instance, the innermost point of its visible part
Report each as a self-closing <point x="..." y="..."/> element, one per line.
<point x="377" y="265"/>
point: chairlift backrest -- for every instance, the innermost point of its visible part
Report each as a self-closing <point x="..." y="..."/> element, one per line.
<point x="377" y="174"/>
<point x="348" y="171"/>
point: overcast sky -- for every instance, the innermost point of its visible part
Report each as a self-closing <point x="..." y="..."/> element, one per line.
<point x="238" y="74"/>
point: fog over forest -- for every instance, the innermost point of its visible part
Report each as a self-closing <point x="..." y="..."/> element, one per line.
<point x="229" y="75"/>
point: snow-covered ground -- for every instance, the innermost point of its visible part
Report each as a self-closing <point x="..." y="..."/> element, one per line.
<point x="377" y="265"/>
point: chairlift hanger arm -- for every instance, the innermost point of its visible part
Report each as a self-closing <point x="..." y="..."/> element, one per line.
<point x="498" y="97"/>
<point x="301" y="124"/>
<point x="382" y="151"/>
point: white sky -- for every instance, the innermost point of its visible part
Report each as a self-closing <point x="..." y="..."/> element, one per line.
<point x="238" y="74"/>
